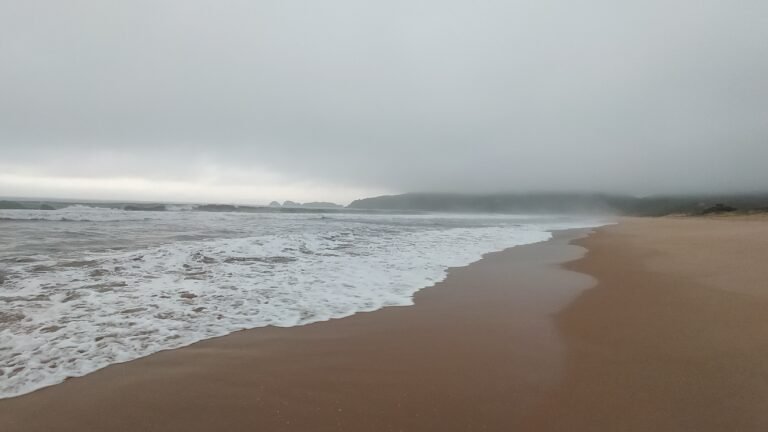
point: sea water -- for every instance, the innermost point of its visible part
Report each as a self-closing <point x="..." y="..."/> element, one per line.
<point x="82" y="288"/>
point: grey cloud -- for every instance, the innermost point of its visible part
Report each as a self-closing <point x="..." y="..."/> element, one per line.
<point x="642" y="97"/>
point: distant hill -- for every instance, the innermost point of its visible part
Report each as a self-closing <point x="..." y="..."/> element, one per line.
<point x="531" y="203"/>
<point x="561" y="203"/>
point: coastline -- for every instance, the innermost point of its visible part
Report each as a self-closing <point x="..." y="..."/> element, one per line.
<point x="69" y="310"/>
<point x="650" y="324"/>
<point x="473" y="350"/>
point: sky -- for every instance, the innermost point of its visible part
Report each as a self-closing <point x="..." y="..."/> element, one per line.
<point x="257" y="100"/>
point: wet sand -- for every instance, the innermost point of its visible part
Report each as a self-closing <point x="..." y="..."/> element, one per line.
<point x="475" y="352"/>
<point x="673" y="336"/>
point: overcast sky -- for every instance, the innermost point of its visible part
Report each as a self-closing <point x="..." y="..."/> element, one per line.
<point x="255" y="100"/>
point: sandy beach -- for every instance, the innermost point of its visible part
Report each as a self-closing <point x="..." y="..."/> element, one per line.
<point x="647" y="325"/>
<point x="674" y="336"/>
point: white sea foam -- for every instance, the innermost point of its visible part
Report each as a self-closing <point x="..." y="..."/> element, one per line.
<point x="77" y="213"/>
<point x="65" y="314"/>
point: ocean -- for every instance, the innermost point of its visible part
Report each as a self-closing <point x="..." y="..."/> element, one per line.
<point x="82" y="288"/>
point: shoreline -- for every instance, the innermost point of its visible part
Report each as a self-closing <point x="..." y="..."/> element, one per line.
<point x="369" y="371"/>
<point x="70" y="312"/>
<point x="650" y="324"/>
<point x="402" y="302"/>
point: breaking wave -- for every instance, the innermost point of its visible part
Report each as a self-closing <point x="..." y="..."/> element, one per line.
<point x="70" y="311"/>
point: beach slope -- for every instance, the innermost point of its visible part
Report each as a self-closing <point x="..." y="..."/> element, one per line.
<point x="475" y="352"/>
<point x="653" y="324"/>
<point x="675" y="335"/>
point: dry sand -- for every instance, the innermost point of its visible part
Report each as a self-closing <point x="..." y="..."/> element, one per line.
<point x="674" y="337"/>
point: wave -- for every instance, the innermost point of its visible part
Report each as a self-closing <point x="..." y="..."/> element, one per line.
<point x="71" y="316"/>
<point x="75" y="213"/>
